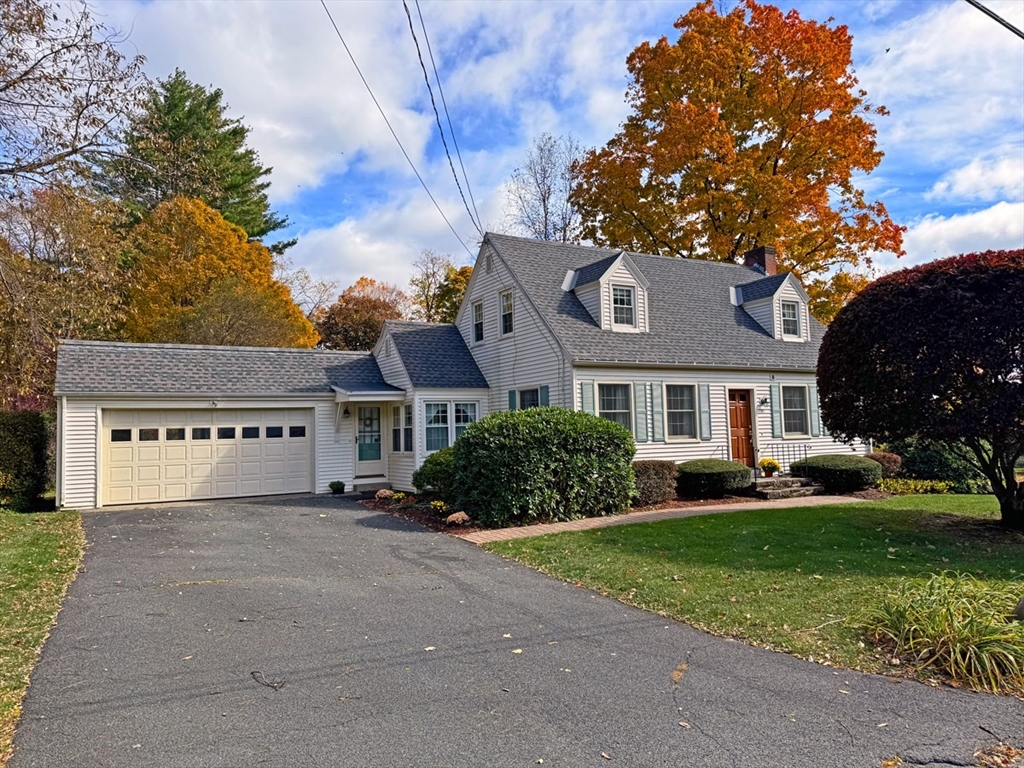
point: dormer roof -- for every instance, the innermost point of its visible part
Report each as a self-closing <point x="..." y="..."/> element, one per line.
<point x="691" y="320"/>
<point x="591" y="273"/>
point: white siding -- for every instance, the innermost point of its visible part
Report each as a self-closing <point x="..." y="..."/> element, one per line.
<point x="621" y="275"/>
<point x="590" y="297"/>
<point x="79" y="451"/>
<point x="763" y="311"/>
<point x="526" y="358"/>
<point x="789" y="292"/>
<point x="390" y="363"/>
<point x="720" y="382"/>
<point x="334" y="458"/>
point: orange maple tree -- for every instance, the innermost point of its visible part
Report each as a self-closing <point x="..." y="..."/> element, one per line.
<point x="355" y="320"/>
<point x="198" y="279"/>
<point x="747" y="131"/>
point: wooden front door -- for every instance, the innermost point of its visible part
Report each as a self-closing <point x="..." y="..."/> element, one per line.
<point x="740" y="431"/>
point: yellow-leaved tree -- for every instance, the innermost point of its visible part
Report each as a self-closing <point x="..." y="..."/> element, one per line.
<point x="748" y="130"/>
<point x="198" y="280"/>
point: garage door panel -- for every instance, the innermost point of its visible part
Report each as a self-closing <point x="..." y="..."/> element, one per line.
<point x="204" y="453"/>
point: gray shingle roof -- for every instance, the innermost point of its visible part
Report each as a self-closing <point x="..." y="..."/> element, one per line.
<point x="435" y="355"/>
<point x="595" y="271"/>
<point x="763" y="288"/>
<point x="103" y="367"/>
<point x="691" y="318"/>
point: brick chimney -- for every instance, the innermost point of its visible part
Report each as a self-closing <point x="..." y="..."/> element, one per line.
<point x="761" y="259"/>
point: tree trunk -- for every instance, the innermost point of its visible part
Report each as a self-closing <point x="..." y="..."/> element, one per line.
<point x="1011" y="506"/>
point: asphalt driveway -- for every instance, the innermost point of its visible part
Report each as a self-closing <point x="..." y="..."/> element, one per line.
<point x="314" y="632"/>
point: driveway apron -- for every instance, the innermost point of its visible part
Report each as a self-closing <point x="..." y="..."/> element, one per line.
<point x="311" y="631"/>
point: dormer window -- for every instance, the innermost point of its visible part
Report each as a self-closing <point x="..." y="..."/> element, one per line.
<point x="623" y="305"/>
<point x="790" y="318"/>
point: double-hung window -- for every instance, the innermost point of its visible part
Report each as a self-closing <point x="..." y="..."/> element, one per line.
<point x="795" y="419"/>
<point x="790" y="318"/>
<point x="478" y="321"/>
<point x="529" y="398"/>
<point x="445" y="422"/>
<point x="623" y="305"/>
<point x="681" y="410"/>
<point x="506" y="313"/>
<point x="613" y="404"/>
<point x="396" y="429"/>
<point x="408" y="428"/>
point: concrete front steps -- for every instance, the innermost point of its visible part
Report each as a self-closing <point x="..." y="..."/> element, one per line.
<point x="773" y="488"/>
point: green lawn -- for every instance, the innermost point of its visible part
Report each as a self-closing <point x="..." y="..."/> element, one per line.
<point x="790" y="579"/>
<point x="39" y="555"/>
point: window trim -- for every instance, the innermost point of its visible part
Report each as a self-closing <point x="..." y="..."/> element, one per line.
<point x="478" y="325"/>
<point x="782" y="319"/>
<point x="511" y="314"/>
<point x="630" y="402"/>
<point x="519" y="397"/>
<point x="807" y="412"/>
<point x="696" y="412"/>
<point x="451" y="403"/>
<point x="632" y="306"/>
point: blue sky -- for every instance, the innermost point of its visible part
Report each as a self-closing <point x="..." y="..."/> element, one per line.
<point x="952" y="79"/>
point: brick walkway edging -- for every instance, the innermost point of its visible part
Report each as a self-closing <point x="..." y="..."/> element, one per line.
<point x="588" y="523"/>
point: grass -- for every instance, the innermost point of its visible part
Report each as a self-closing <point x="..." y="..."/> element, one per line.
<point x="795" y="580"/>
<point x="39" y="556"/>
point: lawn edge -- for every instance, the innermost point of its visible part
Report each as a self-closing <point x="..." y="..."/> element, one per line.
<point x="9" y="730"/>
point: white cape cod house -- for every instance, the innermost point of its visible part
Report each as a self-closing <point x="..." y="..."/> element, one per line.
<point x="697" y="359"/>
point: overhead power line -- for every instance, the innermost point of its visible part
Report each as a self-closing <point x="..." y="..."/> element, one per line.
<point x="996" y="17"/>
<point x="444" y="104"/>
<point x="390" y="128"/>
<point x="437" y="115"/>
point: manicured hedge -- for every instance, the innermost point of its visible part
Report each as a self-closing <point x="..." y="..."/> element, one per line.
<point x="838" y="472"/>
<point x="712" y="478"/>
<point x="22" y="458"/>
<point x="890" y="463"/>
<point x="655" y="482"/>
<point x="542" y="464"/>
<point x="437" y="474"/>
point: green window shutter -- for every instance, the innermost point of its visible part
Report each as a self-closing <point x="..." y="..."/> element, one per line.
<point x="704" y="396"/>
<point x="776" y="410"/>
<point x="658" y="411"/>
<point x="512" y="400"/>
<point x="544" y="395"/>
<point x="640" y="411"/>
<point x="587" y="396"/>
<point x="812" y="401"/>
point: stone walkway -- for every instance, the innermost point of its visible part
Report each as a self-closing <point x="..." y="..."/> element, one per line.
<point x="588" y="523"/>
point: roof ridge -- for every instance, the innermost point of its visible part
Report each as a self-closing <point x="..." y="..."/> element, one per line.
<point x="211" y="347"/>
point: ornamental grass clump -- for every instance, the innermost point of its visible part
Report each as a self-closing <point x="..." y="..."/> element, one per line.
<point x="955" y="625"/>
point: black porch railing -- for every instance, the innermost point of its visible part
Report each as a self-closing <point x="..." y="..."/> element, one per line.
<point x="784" y="453"/>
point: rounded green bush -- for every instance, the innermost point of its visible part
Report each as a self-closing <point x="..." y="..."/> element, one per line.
<point x="437" y="474"/>
<point x="712" y="478"/>
<point x="542" y="464"/>
<point x="839" y="472"/>
<point x="655" y="482"/>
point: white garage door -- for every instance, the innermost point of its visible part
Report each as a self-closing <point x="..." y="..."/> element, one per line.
<point x="170" y="455"/>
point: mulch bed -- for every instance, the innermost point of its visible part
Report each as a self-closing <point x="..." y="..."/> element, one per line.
<point x="428" y="519"/>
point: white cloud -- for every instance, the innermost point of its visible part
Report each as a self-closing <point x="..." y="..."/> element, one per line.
<point x="983" y="180"/>
<point x="999" y="227"/>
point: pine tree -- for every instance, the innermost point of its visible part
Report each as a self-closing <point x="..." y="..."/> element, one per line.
<point x="182" y="145"/>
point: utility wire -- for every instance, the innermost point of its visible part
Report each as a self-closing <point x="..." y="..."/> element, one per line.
<point x="444" y="104"/>
<point x="996" y="17"/>
<point x="437" y="117"/>
<point x="395" y="135"/>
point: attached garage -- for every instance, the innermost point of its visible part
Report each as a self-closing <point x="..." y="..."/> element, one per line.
<point x="174" y="455"/>
<point x="149" y="423"/>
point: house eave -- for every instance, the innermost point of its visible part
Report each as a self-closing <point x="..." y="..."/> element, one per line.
<point x="582" y="362"/>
